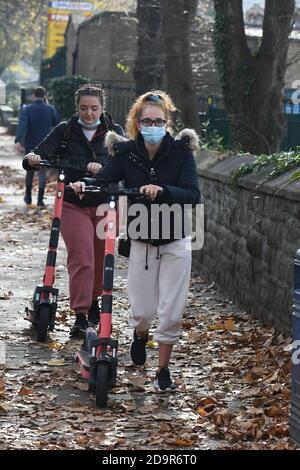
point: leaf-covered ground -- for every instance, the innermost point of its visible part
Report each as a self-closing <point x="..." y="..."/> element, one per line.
<point x="232" y="374"/>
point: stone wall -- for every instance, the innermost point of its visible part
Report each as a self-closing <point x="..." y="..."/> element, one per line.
<point x="252" y="231"/>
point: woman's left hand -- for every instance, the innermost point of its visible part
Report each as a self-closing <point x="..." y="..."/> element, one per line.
<point x="78" y="188"/>
<point x="94" y="167"/>
<point x="151" y="190"/>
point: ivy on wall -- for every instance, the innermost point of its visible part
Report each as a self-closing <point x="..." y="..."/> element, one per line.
<point x="279" y="162"/>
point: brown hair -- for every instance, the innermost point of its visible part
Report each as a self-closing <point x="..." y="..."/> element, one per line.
<point x="153" y="98"/>
<point x="39" y="92"/>
<point x="90" y="89"/>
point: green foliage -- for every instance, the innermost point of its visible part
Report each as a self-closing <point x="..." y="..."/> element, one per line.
<point x="280" y="162"/>
<point x="62" y="91"/>
<point x="211" y="139"/>
<point x="177" y="124"/>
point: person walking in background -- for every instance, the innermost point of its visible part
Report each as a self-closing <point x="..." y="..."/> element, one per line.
<point x="36" y="121"/>
<point x="83" y="137"/>
<point x="159" y="266"/>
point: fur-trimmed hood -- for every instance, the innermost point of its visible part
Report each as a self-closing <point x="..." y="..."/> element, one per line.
<point x="111" y="140"/>
<point x="188" y="137"/>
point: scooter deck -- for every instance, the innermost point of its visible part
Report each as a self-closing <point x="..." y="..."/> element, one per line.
<point x="83" y="361"/>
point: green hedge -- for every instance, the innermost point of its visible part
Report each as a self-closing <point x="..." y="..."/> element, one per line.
<point x="62" y="90"/>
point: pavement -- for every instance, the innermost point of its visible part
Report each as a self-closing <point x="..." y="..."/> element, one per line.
<point x="44" y="403"/>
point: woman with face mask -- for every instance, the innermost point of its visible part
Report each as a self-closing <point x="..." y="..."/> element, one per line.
<point x="160" y="254"/>
<point x="81" y="142"/>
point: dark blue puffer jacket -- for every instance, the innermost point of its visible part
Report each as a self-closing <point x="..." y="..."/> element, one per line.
<point x="173" y="168"/>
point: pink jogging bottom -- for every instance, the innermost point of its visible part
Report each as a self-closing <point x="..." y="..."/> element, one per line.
<point x="85" y="254"/>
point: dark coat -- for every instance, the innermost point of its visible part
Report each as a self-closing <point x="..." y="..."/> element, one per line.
<point x="173" y="168"/>
<point x="36" y="121"/>
<point x="78" y="151"/>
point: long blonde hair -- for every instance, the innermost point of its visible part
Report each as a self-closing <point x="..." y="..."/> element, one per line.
<point x="153" y="98"/>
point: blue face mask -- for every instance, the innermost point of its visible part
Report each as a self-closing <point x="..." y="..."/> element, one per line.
<point x="153" y="134"/>
<point x="89" y="126"/>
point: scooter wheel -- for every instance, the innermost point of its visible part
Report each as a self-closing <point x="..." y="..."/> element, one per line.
<point x="102" y="384"/>
<point x="43" y="322"/>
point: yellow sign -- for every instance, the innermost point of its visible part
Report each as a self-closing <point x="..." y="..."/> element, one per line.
<point x="58" y="17"/>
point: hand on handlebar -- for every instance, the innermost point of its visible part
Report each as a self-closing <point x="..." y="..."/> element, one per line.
<point x="78" y="188"/>
<point x="151" y="190"/>
<point x="33" y="159"/>
<point x="94" y="167"/>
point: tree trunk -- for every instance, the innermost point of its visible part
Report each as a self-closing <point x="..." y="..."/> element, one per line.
<point x="252" y="84"/>
<point x="177" y="16"/>
<point x="149" y="63"/>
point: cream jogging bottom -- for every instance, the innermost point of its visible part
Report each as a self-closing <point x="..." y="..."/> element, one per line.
<point x="162" y="290"/>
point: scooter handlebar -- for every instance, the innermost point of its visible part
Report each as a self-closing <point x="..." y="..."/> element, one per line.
<point x="60" y="164"/>
<point x="113" y="192"/>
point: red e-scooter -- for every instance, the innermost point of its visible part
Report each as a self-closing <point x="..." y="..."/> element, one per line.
<point x="42" y="309"/>
<point x="97" y="360"/>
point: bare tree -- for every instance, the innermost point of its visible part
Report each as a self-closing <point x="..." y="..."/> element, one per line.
<point x="252" y="83"/>
<point x="177" y="17"/>
<point x="149" y="62"/>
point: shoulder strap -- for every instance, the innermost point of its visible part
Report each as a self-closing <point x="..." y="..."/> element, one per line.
<point x="65" y="140"/>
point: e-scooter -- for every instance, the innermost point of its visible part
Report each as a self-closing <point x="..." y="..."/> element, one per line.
<point x="42" y="309"/>
<point x="97" y="360"/>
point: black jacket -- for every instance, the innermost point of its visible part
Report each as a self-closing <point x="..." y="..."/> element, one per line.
<point x="173" y="168"/>
<point x="78" y="151"/>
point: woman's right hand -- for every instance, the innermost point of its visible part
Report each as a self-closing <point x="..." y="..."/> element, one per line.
<point x="78" y="188"/>
<point x="33" y="159"/>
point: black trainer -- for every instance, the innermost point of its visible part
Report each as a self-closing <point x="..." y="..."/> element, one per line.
<point x="94" y="313"/>
<point x="40" y="201"/>
<point x="163" y="382"/>
<point x="79" y="327"/>
<point x="138" y="349"/>
<point x="28" y="199"/>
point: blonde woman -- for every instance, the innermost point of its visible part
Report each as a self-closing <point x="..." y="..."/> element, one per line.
<point x="160" y="259"/>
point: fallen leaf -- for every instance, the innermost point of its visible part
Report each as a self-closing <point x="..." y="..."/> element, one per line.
<point x="138" y="383"/>
<point x="273" y="411"/>
<point x="162" y="417"/>
<point x="25" y="391"/>
<point x="55" y="346"/>
<point x="2" y="387"/>
<point x="202" y="412"/>
<point x="184" y="443"/>
<point x="217" y="326"/>
<point x="229" y="325"/>
<point x="164" y="427"/>
<point x="207" y="401"/>
<point x="56" y="362"/>
<point x="121" y="441"/>
<point x="4" y="407"/>
<point x="5" y="295"/>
